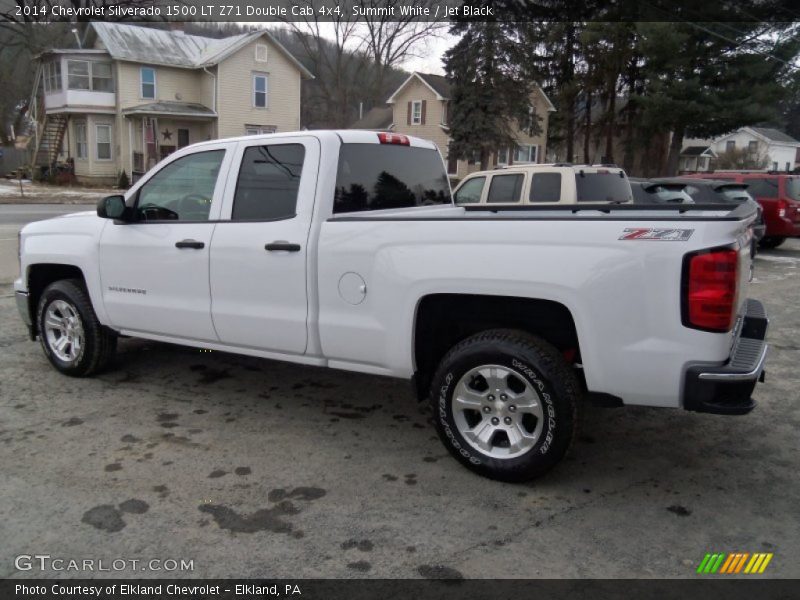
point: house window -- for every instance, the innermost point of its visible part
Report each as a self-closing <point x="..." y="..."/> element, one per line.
<point x="147" y="78"/>
<point x="730" y="146"/>
<point x="102" y="80"/>
<point x="183" y="138"/>
<point x="444" y="113"/>
<point x="452" y="165"/>
<point x="52" y="77"/>
<point x="78" y="75"/>
<point x="86" y="75"/>
<point x="416" y="112"/>
<point x="80" y="140"/>
<point x="526" y="153"/>
<point x="261" y="53"/>
<point x="260" y="91"/>
<point x="502" y="156"/>
<point x="775" y="166"/>
<point x="103" y="141"/>
<point x="259" y="129"/>
<point x="752" y="147"/>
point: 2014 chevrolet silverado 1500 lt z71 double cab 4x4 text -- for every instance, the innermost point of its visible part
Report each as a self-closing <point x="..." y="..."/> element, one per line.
<point x="344" y="249"/>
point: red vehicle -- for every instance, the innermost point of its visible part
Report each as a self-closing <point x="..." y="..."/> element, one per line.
<point x="779" y="196"/>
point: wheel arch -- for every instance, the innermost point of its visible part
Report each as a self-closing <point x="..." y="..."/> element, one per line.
<point x="442" y="320"/>
<point x="39" y="276"/>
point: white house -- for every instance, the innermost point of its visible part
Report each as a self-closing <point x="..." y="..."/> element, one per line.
<point x="781" y="148"/>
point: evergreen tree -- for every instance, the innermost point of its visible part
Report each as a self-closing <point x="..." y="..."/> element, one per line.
<point x="706" y="79"/>
<point x="490" y="94"/>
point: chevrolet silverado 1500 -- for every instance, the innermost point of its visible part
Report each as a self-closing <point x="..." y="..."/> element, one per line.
<point x="344" y="249"/>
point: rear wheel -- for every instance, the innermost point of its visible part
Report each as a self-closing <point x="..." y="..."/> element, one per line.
<point x="73" y="339"/>
<point x="771" y="241"/>
<point x="505" y="404"/>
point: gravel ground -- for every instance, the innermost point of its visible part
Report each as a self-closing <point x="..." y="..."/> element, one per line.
<point x="255" y="468"/>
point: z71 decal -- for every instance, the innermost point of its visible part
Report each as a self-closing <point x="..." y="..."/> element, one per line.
<point x="656" y="235"/>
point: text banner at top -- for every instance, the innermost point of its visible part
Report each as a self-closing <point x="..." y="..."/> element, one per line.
<point x="44" y="11"/>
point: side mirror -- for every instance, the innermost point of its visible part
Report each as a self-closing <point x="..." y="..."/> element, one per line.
<point x="112" y="207"/>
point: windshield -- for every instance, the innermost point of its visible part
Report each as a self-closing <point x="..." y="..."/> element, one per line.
<point x="603" y="186"/>
<point x="793" y="188"/>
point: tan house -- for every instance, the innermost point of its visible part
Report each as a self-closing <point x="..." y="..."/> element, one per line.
<point x="134" y="94"/>
<point x="420" y="107"/>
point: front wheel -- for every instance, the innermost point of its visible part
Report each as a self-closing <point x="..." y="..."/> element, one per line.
<point x="505" y="404"/>
<point x="74" y="341"/>
<point x="771" y="241"/>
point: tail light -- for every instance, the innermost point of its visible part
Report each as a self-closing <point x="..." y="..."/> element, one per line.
<point x="782" y="205"/>
<point x="394" y="138"/>
<point x="710" y="289"/>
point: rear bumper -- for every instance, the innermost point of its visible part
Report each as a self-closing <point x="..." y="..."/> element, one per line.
<point x="726" y="389"/>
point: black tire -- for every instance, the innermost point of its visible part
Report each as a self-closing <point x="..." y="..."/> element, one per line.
<point x="771" y="241"/>
<point x="543" y="367"/>
<point x="99" y="344"/>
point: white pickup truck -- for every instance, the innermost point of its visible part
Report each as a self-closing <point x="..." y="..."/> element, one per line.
<point x="344" y="249"/>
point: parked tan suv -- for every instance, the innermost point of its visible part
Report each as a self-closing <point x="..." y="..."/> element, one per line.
<point x="545" y="184"/>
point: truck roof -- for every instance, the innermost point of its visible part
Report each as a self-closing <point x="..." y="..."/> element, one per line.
<point x="345" y="136"/>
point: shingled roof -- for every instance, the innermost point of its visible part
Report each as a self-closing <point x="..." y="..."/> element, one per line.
<point x="379" y="118"/>
<point x="175" y="48"/>
<point x="775" y="135"/>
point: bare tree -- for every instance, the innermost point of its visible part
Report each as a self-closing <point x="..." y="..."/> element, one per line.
<point x="390" y="38"/>
<point x="332" y="47"/>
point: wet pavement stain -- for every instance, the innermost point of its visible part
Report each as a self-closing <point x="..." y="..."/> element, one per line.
<point x="162" y="490"/>
<point x="104" y="517"/>
<point x="362" y="566"/>
<point x="300" y="493"/>
<point x="242" y="471"/>
<point x="265" y="519"/>
<point x="363" y="545"/>
<point x="113" y="467"/>
<point x="72" y="422"/>
<point x="213" y="375"/>
<point x="134" y="506"/>
<point x="679" y="510"/>
<point x="389" y="477"/>
<point x="217" y="473"/>
<point x="129" y="439"/>
<point x="438" y="572"/>
<point x="347" y="415"/>
<point x="166" y="417"/>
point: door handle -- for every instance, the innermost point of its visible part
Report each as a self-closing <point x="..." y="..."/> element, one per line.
<point x="281" y="245"/>
<point x="190" y="244"/>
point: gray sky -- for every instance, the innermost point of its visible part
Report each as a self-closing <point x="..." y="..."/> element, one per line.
<point x="430" y="52"/>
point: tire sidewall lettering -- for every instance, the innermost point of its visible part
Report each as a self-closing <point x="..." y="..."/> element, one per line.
<point x="543" y="445"/>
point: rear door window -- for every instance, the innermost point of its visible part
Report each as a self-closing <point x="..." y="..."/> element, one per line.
<point x="545" y="187"/>
<point x="470" y="192"/>
<point x="380" y="176"/>
<point x="268" y="182"/>
<point x="606" y="186"/>
<point x="505" y="188"/>
<point x="763" y="187"/>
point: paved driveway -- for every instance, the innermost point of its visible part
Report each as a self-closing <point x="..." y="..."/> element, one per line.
<point x="255" y="468"/>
